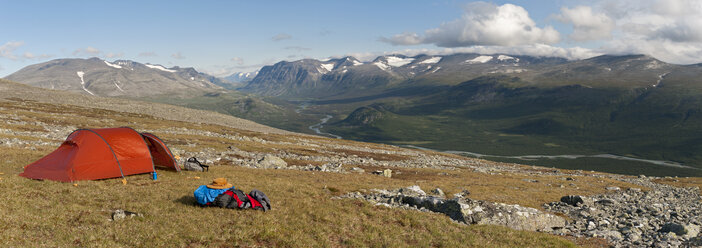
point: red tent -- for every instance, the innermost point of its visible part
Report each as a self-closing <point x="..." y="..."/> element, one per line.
<point x="90" y="154"/>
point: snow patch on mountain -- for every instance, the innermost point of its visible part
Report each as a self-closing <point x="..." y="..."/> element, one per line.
<point x="479" y="60"/>
<point x="397" y="61"/>
<point x="329" y="66"/>
<point x="509" y="70"/>
<point x="119" y="88"/>
<point x="112" y="65"/>
<point x="159" y="67"/>
<point x="382" y="66"/>
<point x="432" y="60"/>
<point x="505" y="57"/>
<point x="82" y="82"/>
<point x="356" y="63"/>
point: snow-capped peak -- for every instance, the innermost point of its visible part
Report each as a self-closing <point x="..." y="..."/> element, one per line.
<point x="328" y="67"/>
<point x="112" y="65"/>
<point x="432" y="60"/>
<point x="505" y="57"/>
<point x="159" y="67"/>
<point x="479" y="60"/>
<point x="397" y="61"/>
<point x="382" y="65"/>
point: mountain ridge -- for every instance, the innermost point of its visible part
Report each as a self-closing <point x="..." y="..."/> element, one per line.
<point x="127" y="78"/>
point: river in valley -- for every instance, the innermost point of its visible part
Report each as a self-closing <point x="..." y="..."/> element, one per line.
<point x="317" y="128"/>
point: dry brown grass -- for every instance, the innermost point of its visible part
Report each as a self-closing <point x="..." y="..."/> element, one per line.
<point x="45" y="213"/>
<point x="681" y="181"/>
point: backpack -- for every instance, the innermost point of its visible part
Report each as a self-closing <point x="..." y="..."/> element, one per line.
<point x="235" y="198"/>
<point x="192" y="164"/>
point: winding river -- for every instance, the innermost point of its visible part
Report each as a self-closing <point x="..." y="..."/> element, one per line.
<point x="317" y="128"/>
<point x="536" y="157"/>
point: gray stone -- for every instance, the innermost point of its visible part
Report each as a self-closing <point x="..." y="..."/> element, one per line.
<point x="686" y="231"/>
<point x="270" y="161"/>
<point x="438" y="192"/>
<point x="120" y="214"/>
<point x="572" y="200"/>
<point x="613" y="188"/>
<point x="413" y="190"/>
<point x="609" y="234"/>
<point x="607" y="202"/>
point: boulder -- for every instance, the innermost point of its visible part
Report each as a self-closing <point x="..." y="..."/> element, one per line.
<point x="686" y="231"/>
<point x="607" y="202"/>
<point x="387" y="173"/>
<point x="572" y="200"/>
<point x="413" y="190"/>
<point x="518" y="217"/>
<point x="438" y="192"/>
<point x="270" y="161"/>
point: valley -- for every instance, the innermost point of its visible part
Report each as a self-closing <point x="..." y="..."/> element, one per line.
<point x="510" y="107"/>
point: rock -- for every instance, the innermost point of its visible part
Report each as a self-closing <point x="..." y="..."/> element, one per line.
<point x="120" y="214"/>
<point x="607" y="202"/>
<point x="468" y="211"/>
<point x="518" y="217"/>
<point x="695" y="242"/>
<point x="609" y="234"/>
<point x="463" y="194"/>
<point x="413" y="190"/>
<point x="613" y="188"/>
<point x="357" y="170"/>
<point x="270" y="161"/>
<point x="572" y="200"/>
<point x="387" y="173"/>
<point x="530" y="180"/>
<point x="686" y="231"/>
<point x="438" y="192"/>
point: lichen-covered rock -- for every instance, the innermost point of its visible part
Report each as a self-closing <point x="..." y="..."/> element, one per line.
<point x="270" y="161"/>
<point x="466" y="210"/>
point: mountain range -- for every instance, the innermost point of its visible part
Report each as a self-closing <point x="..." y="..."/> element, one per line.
<point x="95" y="76"/>
<point x="507" y="105"/>
<point x="500" y="105"/>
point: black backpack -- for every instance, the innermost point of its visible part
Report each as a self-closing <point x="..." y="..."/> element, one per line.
<point x="194" y="161"/>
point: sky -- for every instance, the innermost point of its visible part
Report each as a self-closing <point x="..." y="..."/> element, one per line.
<point x="224" y="37"/>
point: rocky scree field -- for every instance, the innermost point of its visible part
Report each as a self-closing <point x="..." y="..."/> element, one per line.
<point x="307" y="188"/>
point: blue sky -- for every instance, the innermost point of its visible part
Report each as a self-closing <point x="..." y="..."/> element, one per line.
<point x="222" y="37"/>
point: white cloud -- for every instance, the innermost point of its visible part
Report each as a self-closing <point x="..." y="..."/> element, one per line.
<point x="483" y="24"/>
<point x="177" y="55"/>
<point x="586" y="24"/>
<point x="147" y="54"/>
<point x="538" y="50"/>
<point x="114" y="55"/>
<point x="281" y="36"/>
<point x="237" y="60"/>
<point x="7" y="50"/>
<point x="670" y="30"/>
<point x="297" y="48"/>
<point x="28" y="55"/>
<point x="88" y="51"/>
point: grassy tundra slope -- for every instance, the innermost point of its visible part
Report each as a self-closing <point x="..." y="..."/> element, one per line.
<point x="46" y="213"/>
